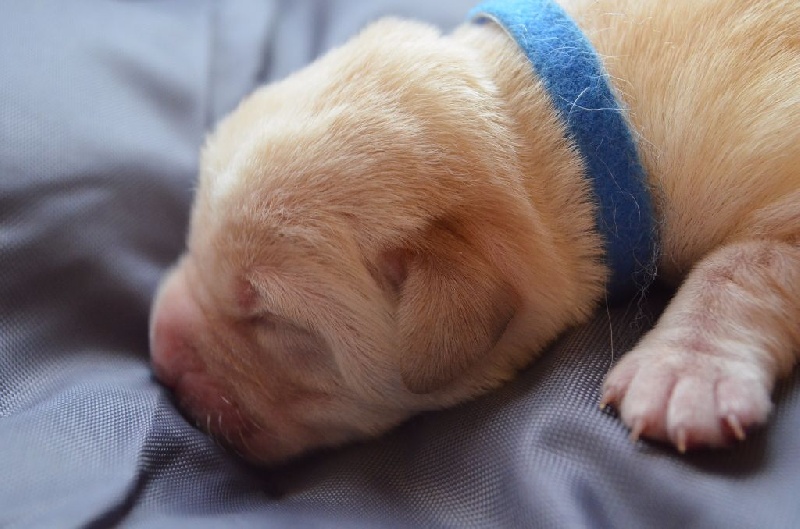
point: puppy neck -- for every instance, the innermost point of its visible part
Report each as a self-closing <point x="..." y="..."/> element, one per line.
<point x="552" y="171"/>
<point x="571" y="71"/>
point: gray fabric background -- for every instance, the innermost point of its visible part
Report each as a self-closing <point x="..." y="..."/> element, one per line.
<point x="103" y="107"/>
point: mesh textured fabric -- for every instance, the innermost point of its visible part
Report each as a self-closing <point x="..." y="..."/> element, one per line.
<point x="103" y="108"/>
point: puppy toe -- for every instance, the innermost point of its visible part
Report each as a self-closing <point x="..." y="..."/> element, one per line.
<point x="644" y="406"/>
<point x="742" y="404"/>
<point x="692" y="418"/>
<point x="617" y="382"/>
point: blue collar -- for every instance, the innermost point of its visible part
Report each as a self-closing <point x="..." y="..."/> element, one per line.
<point x="571" y="72"/>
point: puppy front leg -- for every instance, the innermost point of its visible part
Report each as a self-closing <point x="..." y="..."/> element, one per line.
<point x="704" y="374"/>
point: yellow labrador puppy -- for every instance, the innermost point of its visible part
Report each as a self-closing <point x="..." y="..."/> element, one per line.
<point x="408" y="221"/>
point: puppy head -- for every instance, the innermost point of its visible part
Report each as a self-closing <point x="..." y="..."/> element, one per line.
<point x="355" y="252"/>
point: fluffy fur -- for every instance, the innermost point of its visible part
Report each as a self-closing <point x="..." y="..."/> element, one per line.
<point x="402" y="226"/>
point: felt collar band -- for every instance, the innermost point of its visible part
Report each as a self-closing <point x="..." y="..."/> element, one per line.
<point x="571" y="72"/>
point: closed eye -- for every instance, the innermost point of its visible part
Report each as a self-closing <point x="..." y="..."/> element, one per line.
<point x="302" y="348"/>
<point x="269" y="322"/>
<point x="266" y="321"/>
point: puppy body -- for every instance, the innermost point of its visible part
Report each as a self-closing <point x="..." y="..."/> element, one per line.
<point x="403" y="225"/>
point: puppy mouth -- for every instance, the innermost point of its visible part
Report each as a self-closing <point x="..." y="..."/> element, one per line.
<point x="208" y="406"/>
<point x="211" y="409"/>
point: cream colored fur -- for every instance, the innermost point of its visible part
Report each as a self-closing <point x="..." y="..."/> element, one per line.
<point x="402" y="225"/>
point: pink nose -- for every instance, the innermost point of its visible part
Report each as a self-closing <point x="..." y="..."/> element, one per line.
<point x="175" y="319"/>
<point x="176" y="325"/>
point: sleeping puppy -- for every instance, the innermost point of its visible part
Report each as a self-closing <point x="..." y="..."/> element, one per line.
<point x="407" y="222"/>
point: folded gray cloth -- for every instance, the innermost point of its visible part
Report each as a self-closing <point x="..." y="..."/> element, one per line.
<point x="103" y="108"/>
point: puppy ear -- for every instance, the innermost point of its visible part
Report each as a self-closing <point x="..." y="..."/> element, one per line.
<point x="453" y="307"/>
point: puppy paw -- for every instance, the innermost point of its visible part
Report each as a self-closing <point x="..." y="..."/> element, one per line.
<point x="687" y="398"/>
